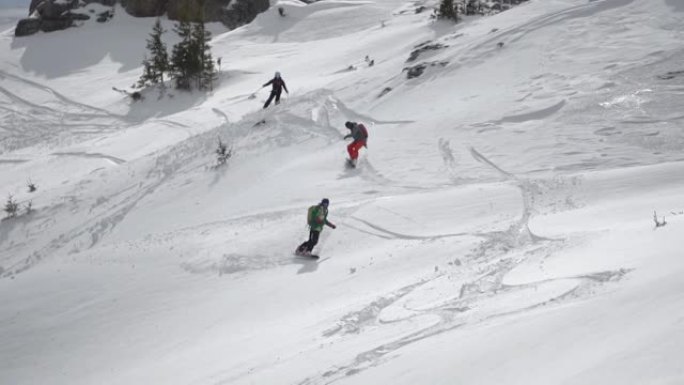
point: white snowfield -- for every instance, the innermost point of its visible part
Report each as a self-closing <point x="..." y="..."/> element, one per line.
<point x="498" y="230"/>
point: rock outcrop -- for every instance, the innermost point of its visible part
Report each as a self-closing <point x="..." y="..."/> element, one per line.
<point x="51" y="15"/>
<point x="232" y="13"/>
<point x="48" y="16"/>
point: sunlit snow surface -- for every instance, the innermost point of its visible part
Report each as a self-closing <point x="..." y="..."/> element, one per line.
<point x="499" y="228"/>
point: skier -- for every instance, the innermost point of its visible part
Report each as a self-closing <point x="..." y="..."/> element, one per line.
<point x="278" y="84"/>
<point x="360" y="135"/>
<point x="317" y="216"/>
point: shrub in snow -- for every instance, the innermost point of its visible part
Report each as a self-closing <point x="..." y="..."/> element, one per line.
<point x="11" y="207"/>
<point x="658" y="223"/>
<point x="222" y="153"/>
<point x="31" y="186"/>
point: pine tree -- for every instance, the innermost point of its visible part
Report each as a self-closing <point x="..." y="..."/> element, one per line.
<point x="158" y="63"/>
<point x="207" y="71"/>
<point x="191" y="60"/>
<point x="148" y="73"/>
<point x="182" y="56"/>
<point x="448" y="10"/>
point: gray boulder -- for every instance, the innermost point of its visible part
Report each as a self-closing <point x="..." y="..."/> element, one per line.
<point x="49" y="25"/>
<point x="27" y="27"/>
<point x="242" y="12"/>
<point x="232" y="13"/>
<point x="145" y="8"/>
<point x="50" y="9"/>
<point x="52" y="15"/>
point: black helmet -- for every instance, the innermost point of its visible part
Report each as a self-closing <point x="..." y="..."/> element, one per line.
<point x="349" y="125"/>
<point x="325" y="202"/>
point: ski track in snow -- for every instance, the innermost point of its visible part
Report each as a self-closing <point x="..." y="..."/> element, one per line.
<point x="490" y="262"/>
<point x="469" y="288"/>
<point x="27" y="123"/>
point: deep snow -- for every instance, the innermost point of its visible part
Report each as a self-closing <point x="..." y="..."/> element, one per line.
<point x="499" y="228"/>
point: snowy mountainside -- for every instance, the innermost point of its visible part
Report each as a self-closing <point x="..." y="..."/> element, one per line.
<point x="499" y="227"/>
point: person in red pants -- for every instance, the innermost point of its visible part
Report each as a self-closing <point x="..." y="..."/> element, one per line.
<point x="360" y="135"/>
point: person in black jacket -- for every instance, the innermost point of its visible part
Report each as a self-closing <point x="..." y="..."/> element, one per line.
<point x="278" y="84"/>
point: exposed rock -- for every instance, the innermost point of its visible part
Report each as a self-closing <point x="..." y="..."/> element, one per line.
<point x="423" y="47"/>
<point x="232" y="13"/>
<point x="104" y="16"/>
<point x="418" y="69"/>
<point x="56" y="14"/>
<point x="77" y="16"/>
<point x="49" y="15"/>
<point x="49" y="25"/>
<point x="243" y="12"/>
<point x="146" y="8"/>
<point x="384" y="91"/>
<point x="108" y="3"/>
<point x="27" y="27"/>
<point x="50" y="9"/>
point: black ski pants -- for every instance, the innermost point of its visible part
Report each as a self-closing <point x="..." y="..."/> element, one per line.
<point x="274" y="94"/>
<point x="313" y="240"/>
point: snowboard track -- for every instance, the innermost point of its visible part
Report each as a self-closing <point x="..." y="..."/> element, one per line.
<point x="482" y="279"/>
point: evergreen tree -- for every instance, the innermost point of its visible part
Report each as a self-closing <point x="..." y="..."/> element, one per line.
<point x="207" y="71"/>
<point x="448" y="10"/>
<point x="158" y="63"/>
<point x="148" y="73"/>
<point x="182" y="65"/>
<point x="191" y="60"/>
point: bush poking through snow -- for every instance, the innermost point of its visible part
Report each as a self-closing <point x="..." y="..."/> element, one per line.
<point x="222" y="153"/>
<point x="31" y="186"/>
<point x="11" y="207"/>
<point x="658" y="223"/>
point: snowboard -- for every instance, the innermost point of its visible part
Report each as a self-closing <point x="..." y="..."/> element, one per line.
<point x="259" y="123"/>
<point x="350" y="163"/>
<point x="306" y="255"/>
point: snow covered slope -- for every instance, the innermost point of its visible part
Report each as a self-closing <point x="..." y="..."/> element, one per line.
<point x="499" y="227"/>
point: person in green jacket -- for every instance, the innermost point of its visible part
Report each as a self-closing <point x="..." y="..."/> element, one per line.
<point x="317" y="217"/>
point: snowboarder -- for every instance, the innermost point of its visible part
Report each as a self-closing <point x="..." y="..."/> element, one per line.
<point x="360" y="135"/>
<point x="317" y="216"/>
<point x="278" y="84"/>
